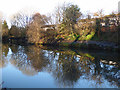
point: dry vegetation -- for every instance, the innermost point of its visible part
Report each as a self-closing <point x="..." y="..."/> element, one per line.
<point x="70" y="26"/>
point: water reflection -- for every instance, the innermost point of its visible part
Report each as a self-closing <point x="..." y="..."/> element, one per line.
<point x="67" y="70"/>
<point x="36" y="57"/>
<point x="29" y="60"/>
<point x="4" y="61"/>
<point x="67" y="66"/>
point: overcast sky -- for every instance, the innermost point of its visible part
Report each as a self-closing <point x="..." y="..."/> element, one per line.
<point x="9" y="7"/>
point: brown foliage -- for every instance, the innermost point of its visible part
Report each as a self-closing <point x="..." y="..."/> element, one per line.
<point x="35" y="33"/>
<point x="33" y="30"/>
<point x="4" y="29"/>
<point x="17" y="32"/>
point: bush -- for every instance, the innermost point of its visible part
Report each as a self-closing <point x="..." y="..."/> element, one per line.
<point x="17" y="32"/>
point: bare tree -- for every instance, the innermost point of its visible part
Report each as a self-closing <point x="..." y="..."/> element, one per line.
<point x="99" y="14"/>
<point x="88" y="15"/>
<point x="34" y="30"/>
<point x="20" y="20"/>
<point x="59" y="14"/>
<point x="19" y="23"/>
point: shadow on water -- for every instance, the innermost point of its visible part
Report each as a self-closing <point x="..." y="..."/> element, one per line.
<point x="66" y="65"/>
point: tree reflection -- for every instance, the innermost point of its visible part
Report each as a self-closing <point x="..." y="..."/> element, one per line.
<point x="19" y="60"/>
<point x="30" y="60"/>
<point x="14" y="48"/>
<point x="67" y="66"/>
<point x="5" y="49"/>
<point x="36" y="57"/>
<point x="70" y="69"/>
<point x="67" y="69"/>
<point x="111" y="72"/>
<point x="3" y="60"/>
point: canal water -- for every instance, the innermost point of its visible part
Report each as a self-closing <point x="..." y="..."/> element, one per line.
<point x="49" y="67"/>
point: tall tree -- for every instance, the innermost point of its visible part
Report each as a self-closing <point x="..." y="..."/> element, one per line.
<point x="4" y="29"/>
<point x="98" y="27"/>
<point x="34" y="29"/>
<point x="71" y="14"/>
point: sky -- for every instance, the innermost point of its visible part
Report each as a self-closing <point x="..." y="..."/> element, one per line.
<point x="10" y="7"/>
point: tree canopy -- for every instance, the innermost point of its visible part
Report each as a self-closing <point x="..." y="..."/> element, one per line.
<point x="71" y="14"/>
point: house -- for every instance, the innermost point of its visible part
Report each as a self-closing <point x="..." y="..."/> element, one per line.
<point x="48" y="27"/>
<point x="103" y="24"/>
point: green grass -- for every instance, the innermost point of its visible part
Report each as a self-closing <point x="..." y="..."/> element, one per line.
<point x="95" y="38"/>
<point x="88" y="37"/>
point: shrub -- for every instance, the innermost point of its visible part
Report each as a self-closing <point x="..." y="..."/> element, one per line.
<point x="17" y="32"/>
